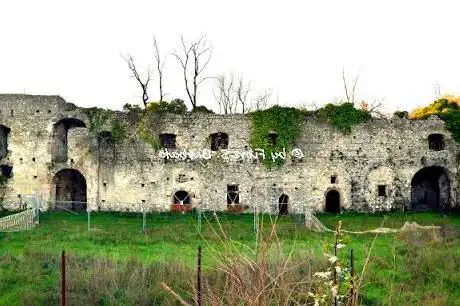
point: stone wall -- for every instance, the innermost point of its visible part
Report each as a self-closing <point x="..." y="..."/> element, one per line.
<point x="373" y="167"/>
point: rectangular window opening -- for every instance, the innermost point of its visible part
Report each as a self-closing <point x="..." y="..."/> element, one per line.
<point x="233" y="195"/>
<point x="382" y="189"/>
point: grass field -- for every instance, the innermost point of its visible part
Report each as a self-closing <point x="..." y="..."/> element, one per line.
<point x="115" y="263"/>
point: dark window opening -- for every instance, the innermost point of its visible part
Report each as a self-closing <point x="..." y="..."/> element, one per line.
<point x="333" y="179"/>
<point x="105" y="140"/>
<point x="219" y="141"/>
<point x="333" y="202"/>
<point x="6" y="171"/>
<point x="181" y="197"/>
<point x="168" y="141"/>
<point x="37" y="111"/>
<point x="35" y="176"/>
<point x="142" y="185"/>
<point x="4" y="132"/>
<point x="181" y="178"/>
<point x="283" y="204"/>
<point x="233" y="195"/>
<point x="11" y="112"/>
<point x="382" y="190"/>
<point x="33" y="159"/>
<point x="272" y="137"/>
<point x="436" y="142"/>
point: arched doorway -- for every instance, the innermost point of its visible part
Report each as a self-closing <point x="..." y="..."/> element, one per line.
<point x="70" y="190"/>
<point x="181" y="197"/>
<point x="333" y="202"/>
<point x="283" y="204"/>
<point x="430" y="189"/>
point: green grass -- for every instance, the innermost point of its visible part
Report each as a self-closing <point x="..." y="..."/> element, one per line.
<point x="404" y="269"/>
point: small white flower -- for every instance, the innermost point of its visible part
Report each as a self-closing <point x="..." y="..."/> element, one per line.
<point x="333" y="259"/>
<point x="340" y="246"/>
<point x="322" y="274"/>
<point x="338" y="269"/>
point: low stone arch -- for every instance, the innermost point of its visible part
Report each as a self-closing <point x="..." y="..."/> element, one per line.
<point x="181" y="197"/>
<point x="70" y="190"/>
<point x="430" y="189"/>
<point x="332" y="201"/>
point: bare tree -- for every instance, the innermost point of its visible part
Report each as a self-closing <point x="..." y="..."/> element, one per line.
<point x="160" y="63"/>
<point x="261" y="100"/>
<point x="242" y="92"/>
<point x="350" y="94"/>
<point x="194" y="58"/>
<point x="225" y="96"/>
<point x="135" y="74"/>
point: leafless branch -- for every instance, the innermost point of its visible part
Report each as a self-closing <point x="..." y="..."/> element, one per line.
<point x="160" y="64"/>
<point x="349" y="95"/>
<point x="135" y="74"/>
<point x="197" y="54"/>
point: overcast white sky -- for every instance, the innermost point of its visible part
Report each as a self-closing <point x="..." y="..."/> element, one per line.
<point x="297" y="48"/>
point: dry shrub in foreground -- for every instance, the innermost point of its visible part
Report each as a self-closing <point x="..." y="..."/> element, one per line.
<point x="268" y="274"/>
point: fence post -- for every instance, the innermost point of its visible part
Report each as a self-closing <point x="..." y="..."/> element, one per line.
<point x="352" y="280"/>
<point x="63" y="285"/>
<point x="198" y="283"/>
<point x="144" y="221"/>
<point x="89" y="219"/>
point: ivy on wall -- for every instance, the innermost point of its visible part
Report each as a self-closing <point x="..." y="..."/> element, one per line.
<point x="286" y="122"/>
<point x="342" y="116"/>
<point x="100" y="118"/>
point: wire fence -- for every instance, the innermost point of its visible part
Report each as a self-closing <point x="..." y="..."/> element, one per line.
<point x="147" y="216"/>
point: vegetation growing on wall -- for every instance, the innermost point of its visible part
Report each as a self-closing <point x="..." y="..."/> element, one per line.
<point x="446" y="108"/>
<point x="100" y="119"/>
<point x="342" y="116"/>
<point x="286" y="122"/>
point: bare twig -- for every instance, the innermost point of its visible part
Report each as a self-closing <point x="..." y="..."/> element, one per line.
<point x="177" y="296"/>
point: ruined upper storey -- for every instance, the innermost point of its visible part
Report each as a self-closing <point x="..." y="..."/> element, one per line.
<point x="26" y="118"/>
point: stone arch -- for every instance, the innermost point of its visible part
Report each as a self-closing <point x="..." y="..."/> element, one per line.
<point x="60" y="130"/>
<point x="4" y="132"/>
<point x="333" y="200"/>
<point x="219" y="141"/>
<point x="430" y="189"/>
<point x="181" y="197"/>
<point x="70" y="190"/>
<point x="283" y="202"/>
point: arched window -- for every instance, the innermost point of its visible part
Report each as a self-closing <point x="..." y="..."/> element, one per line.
<point x="61" y="129"/>
<point x="168" y="141"/>
<point x="436" y="142"/>
<point x="219" y="141"/>
<point x="283" y="204"/>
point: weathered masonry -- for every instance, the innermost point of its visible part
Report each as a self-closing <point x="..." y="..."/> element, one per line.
<point x="53" y="148"/>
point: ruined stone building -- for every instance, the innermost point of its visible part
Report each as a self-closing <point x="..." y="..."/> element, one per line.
<point x="49" y="147"/>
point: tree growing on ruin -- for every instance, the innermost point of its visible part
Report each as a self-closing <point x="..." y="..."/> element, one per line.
<point x="143" y="82"/>
<point x="233" y="95"/>
<point x="159" y="65"/>
<point x="193" y="57"/>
